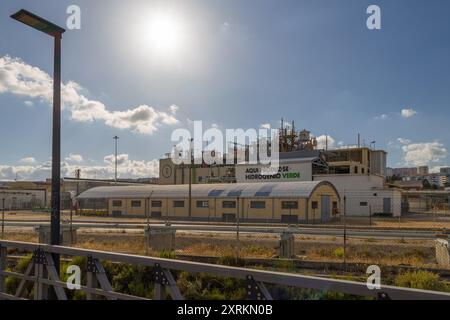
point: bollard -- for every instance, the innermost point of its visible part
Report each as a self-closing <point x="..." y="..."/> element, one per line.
<point x="442" y="252"/>
<point x="68" y="235"/>
<point x="161" y="238"/>
<point x="287" y="245"/>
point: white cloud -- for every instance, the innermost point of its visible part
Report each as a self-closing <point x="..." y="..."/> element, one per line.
<point x="29" y="103"/>
<point x="74" y="158"/>
<point x="322" y="142"/>
<point x="173" y="109"/>
<point x="225" y="27"/>
<point x="403" y="141"/>
<point x="265" y="125"/>
<point x="436" y="169"/>
<point x="111" y="159"/>
<point x="28" y="160"/>
<point x="19" y="78"/>
<point x="408" y="113"/>
<point x="382" y="116"/>
<point x="127" y="168"/>
<point x="419" y="154"/>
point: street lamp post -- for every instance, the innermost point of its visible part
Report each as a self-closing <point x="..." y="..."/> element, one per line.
<point x="56" y="32"/>
<point x="191" y="160"/>
<point x="115" y="166"/>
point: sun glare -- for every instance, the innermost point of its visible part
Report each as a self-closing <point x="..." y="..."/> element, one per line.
<point x="163" y="33"/>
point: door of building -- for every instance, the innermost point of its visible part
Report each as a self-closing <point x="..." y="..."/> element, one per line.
<point x="325" y="208"/>
<point x="387" y="205"/>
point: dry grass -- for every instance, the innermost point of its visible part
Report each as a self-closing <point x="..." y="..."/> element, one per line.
<point x="325" y="249"/>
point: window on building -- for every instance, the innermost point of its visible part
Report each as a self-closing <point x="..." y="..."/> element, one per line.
<point x="178" y="204"/>
<point x="315" y="205"/>
<point x="335" y="208"/>
<point x="257" y="204"/>
<point x="289" y="204"/>
<point x="117" y="203"/>
<point x="156" y="204"/>
<point x="356" y="169"/>
<point x="228" y="204"/>
<point x="363" y="204"/>
<point x="202" y="204"/>
<point x="135" y="203"/>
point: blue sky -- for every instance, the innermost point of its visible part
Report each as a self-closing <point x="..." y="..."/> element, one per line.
<point x="239" y="64"/>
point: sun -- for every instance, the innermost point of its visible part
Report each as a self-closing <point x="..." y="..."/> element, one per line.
<point x="163" y="33"/>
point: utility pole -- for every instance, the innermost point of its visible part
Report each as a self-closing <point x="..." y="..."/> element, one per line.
<point x="115" y="166"/>
<point x="148" y="209"/>
<point x="370" y="215"/>
<point x="345" y="232"/>
<point x="238" y="242"/>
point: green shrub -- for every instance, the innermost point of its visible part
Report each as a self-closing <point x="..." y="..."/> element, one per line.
<point x="421" y="280"/>
<point x="339" y="252"/>
<point x="167" y="254"/>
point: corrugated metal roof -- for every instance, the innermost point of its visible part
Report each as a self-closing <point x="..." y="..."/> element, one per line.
<point x="298" y="189"/>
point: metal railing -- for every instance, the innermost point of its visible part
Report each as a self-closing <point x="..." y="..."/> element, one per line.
<point x="42" y="273"/>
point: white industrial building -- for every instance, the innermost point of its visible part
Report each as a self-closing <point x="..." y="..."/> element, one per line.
<point x="365" y="194"/>
<point x="358" y="172"/>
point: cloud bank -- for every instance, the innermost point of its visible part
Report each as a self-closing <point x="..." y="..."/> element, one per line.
<point x="19" y="78"/>
<point x="127" y="168"/>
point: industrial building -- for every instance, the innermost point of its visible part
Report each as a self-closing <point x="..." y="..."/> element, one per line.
<point x="294" y="202"/>
<point x="22" y="199"/>
<point x="357" y="172"/>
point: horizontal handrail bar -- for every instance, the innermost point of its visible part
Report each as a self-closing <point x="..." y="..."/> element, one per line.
<point x="270" y="277"/>
<point x="10" y="296"/>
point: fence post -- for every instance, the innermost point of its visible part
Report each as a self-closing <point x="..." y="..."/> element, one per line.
<point x="3" y="253"/>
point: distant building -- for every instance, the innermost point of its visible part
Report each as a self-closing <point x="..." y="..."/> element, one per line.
<point x="437" y="180"/>
<point x="422" y="170"/>
<point x="445" y="171"/>
<point x="409" y="184"/>
<point x="389" y="172"/>
<point x="378" y="161"/>
<point x="22" y="199"/>
<point x="404" y="172"/>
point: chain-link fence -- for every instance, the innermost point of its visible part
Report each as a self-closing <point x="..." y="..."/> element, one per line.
<point x="368" y="228"/>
